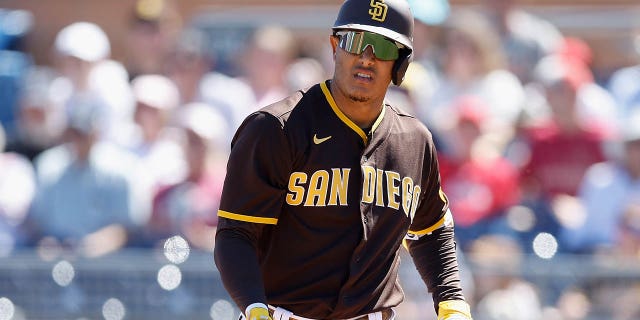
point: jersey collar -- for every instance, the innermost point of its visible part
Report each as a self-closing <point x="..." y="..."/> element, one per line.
<point x="345" y="119"/>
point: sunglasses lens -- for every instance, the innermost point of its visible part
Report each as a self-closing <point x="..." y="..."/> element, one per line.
<point x="357" y="41"/>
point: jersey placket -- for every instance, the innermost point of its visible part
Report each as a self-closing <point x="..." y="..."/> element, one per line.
<point x="366" y="209"/>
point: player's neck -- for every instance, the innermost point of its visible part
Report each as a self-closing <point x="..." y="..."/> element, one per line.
<point x="362" y="113"/>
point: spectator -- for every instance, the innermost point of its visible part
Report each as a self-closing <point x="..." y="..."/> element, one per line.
<point x="524" y="37"/>
<point x="268" y="80"/>
<point x="153" y="141"/>
<point x="17" y="189"/>
<point x="15" y="27"/>
<point x="84" y="197"/>
<point x="429" y="16"/>
<point x="610" y="195"/>
<point x="575" y="303"/>
<point x="82" y="52"/>
<point x="41" y="116"/>
<point x="557" y="151"/>
<point x="501" y="293"/>
<point x="78" y="47"/>
<point x="423" y="74"/>
<point x="473" y="65"/>
<point x="303" y="73"/>
<point x="189" y="206"/>
<point x="561" y="147"/>
<point x="421" y="78"/>
<point x="624" y="84"/>
<point x="190" y="65"/>
<point x="628" y="241"/>
<point x="480" y="183"/>
<point x="596" y="107"/>
<point x="153" y="27"/>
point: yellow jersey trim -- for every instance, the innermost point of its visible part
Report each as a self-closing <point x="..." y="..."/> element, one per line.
<point x="447" y="219"/>
<point x="341" y="115"/>
<point x="378" y="120"/>
<point x="245" y="218"/>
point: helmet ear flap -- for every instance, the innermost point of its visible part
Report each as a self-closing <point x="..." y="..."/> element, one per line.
<point x="400" y="66"/>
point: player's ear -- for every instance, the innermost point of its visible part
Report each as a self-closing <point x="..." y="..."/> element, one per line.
<point x="334" y="44"/>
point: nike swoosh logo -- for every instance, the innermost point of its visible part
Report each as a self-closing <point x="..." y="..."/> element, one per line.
<point x="317" y="140"/>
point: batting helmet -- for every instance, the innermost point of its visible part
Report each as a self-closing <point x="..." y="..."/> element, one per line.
<point x="390" y="18"/>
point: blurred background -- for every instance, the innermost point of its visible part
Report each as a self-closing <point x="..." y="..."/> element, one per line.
<point x="116" y="119"/>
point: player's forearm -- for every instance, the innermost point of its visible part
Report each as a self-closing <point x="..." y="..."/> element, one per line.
<point x="435" y="258"/>
<point x="239" y="268"/>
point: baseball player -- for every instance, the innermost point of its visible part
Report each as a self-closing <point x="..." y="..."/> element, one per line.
<point x="323" y="186"/>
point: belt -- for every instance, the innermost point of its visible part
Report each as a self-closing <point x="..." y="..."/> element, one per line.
<point x="283" y="314"/>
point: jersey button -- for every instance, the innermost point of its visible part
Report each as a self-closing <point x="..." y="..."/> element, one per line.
<point x="366" y="220"/>
<point x="364" y="159"/>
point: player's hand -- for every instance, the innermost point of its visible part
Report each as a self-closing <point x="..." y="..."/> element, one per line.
<point x="454" y="310"/>
<point x="259" y="313"/>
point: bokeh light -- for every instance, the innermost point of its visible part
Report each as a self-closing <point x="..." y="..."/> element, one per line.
<point x="113" y="309"/>
<point x="63" y="273"/>
<point x="169" y="277"/>
<point x="222" y="310"/>
<point x="6" y="309"/>
<point x="521" y="218"/>
<point x="176" y="249"/>
<point x="545" y="245"/>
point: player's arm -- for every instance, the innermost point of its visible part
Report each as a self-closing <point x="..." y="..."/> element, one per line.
<point x="237" y="260"/>
<point x="430" y="242"/>
<point x="251" y="201"/>
<point x="238" y="264"/>
<point x="435" y="258"/>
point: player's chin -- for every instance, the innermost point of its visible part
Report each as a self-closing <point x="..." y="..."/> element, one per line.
<point x="359" y="98"/>
<point x="361" y="93"/>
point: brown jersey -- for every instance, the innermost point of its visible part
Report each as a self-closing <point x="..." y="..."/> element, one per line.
<point x="327" y="205"/>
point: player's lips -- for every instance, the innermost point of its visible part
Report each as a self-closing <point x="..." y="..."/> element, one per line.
<point x="364" y="75"/>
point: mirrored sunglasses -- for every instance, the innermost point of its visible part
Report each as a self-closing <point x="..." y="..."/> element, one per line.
<point x="357" y="41"/>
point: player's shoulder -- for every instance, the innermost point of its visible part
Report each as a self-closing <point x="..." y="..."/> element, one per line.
<point x="282" y="109"/>
<point x="274" y="117"/>
<point x="407" y="122"/>
<point x="400" y="111"/>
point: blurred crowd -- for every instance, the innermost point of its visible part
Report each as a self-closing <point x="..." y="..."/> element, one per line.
<point x="99" y="154"/>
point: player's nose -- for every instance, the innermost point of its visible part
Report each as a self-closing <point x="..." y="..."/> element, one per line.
<point x="368" y="53"/>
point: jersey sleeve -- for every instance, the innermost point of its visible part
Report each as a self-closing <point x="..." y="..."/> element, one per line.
<point x="257" y="171"/>
<point x="433" y="208"/>
<point x="252" y="198"/>
<point x="430" y="239"/>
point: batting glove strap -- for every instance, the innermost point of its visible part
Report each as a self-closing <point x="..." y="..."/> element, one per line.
<point x="257" y="311"/>
<point x="454" y="310"/>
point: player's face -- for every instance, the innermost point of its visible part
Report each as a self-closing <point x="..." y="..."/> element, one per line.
<point x="361" y="77"/>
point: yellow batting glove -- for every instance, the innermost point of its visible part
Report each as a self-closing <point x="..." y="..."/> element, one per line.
<point x="454" y="310"/>
<point x="258" y="313"/>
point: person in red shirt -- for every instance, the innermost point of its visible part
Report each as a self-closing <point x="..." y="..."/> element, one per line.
<point x="562" y="147"/>
<point x="557" y="149"/>
<point x="480" y="183"/>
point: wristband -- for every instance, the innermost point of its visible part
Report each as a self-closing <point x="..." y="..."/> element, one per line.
<point x="453" y="310"/>
<point x="254" y="305"/>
